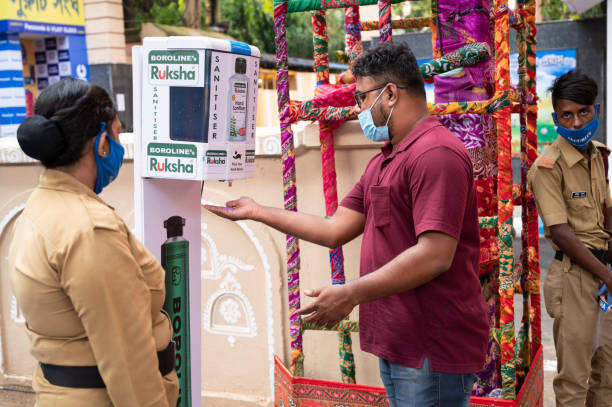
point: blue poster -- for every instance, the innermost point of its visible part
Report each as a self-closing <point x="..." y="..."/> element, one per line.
<point x="549" y="66"/>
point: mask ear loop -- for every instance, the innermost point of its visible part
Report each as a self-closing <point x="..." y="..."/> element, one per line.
<point x="377" y="97"/>
<point x="97" y="140"/>
<point x="390" y="113"/>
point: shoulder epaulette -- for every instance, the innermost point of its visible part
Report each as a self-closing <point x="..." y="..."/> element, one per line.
<point x="600" y="145"/>
<point x="548" y="158"/>
<point x="102" y="216"/>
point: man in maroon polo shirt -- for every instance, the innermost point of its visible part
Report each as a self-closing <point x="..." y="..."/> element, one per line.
<point x="421" y="309"/>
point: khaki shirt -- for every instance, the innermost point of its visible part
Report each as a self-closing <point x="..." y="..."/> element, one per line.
<point x="569" y="189"/>
<point x="90" y="292"/>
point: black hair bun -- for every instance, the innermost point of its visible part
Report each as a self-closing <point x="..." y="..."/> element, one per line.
<point x="40" y="138"/>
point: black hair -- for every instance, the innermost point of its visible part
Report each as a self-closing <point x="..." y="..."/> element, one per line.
<point x="66" y="116"/>
<point x="391" y="62"/>
<point x="574" y="86"/>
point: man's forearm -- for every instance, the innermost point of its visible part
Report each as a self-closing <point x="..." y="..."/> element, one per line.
<point x="312" y="228"/>
<point x="410" y="269"/>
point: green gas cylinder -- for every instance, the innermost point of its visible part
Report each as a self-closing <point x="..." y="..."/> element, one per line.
<point x="175" y="260"/>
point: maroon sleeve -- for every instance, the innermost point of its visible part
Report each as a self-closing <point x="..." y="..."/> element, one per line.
<point x="440" y="183"/>
<point x="354" y="199"/>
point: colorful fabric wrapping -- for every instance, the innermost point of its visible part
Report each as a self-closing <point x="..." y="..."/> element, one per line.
<point x="384" y="20"/>
<point x="293" y="391"/>
<point x="404" y="23"/>
<point x="470" y="54"/>
<point x="309" y="112"/>
<point x="336" y="257"/>
<point x="531" y="249"/>
<point x="347" y="359"/>
<point x="499" y="101"/>
<point x="485" y="164"/>
<point x="352" y="29"/>
<point x="458" y="29"/>
<point x="435" y="37"/>
<point x="328" y="169"/>
<point x="481" y="121"/>
<point x="320" y="40"/>
<point x="489" y="375"/>
<point x="472" y="129"/>
<point x="295" y="6"/>
<point x="289" y="186"/>
<point x="487" y="222"/>
<point x="504" y="202"/>
<point x="343" y="326"/>
<point x="460" y="26"/>
<point x="487" y="209"/>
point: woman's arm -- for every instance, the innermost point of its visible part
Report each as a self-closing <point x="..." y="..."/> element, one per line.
<point x="110" y="296"/>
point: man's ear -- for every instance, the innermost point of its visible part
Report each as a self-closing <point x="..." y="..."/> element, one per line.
<point x="598" y="109"/>
<point x="392" y="93"/>
<point x="103" y="146"/>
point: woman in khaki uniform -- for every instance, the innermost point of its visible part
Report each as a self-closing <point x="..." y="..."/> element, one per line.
<point x="91" y="294"/>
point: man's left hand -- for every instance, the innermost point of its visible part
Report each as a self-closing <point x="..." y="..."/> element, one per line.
<point x="333" y="304"/>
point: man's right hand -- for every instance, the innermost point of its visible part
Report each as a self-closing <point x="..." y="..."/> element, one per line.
<point x="242" y="208"/>
<point x="567" y="241"/>
<point x="343" y="227"/>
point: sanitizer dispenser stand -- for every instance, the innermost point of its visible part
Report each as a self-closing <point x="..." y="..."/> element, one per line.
<point x="195" y="104"/>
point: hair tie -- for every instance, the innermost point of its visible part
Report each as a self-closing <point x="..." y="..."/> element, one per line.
<point x="40" y="138"/>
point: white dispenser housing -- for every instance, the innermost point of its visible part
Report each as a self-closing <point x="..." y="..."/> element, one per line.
<point x="198" y="106"/>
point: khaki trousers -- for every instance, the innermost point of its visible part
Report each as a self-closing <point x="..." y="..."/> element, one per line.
<point x="49" y="395"/>
<point x="583" y="337"/>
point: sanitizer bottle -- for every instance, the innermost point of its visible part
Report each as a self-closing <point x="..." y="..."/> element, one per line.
<point x="175" y="260"/>
<point x="238" y="96"/>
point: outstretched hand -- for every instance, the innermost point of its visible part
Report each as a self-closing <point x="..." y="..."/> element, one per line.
<point x="242" y="208"/>
<point x="333" y="304"/>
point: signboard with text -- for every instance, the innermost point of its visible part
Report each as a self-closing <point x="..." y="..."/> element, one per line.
<point x="57" y="17"/>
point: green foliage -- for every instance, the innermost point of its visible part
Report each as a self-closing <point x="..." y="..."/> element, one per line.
<point x="252" y="21"/>
<point x="420" y="8"/>
<point x="557" y="10"/>
<point x="249" y="22"/>
<point x="170" y="13"/>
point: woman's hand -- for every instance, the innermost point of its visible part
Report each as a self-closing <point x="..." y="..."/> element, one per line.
<point x="242" y="208"/>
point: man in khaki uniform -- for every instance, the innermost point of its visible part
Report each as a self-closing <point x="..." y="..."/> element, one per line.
<point x="569" y="185"/>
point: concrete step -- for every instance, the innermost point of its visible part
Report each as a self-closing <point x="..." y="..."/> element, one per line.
<point x="15" y="396"/>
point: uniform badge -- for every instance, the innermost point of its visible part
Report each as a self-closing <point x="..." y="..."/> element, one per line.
<point x="580" y="194"/>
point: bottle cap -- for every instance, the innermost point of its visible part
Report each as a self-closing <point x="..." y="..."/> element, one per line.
<point x="174" y="226"/>
<point x="240" y="66"/>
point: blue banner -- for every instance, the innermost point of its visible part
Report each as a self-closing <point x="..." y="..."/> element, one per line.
<point x="40" y="28"/>
<point x="12" y="115"/>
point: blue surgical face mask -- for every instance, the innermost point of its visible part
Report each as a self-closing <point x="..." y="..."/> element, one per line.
<point x="371" y="131"/>
<point x="108" y="166"/>
<point x="579" y="138"/>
